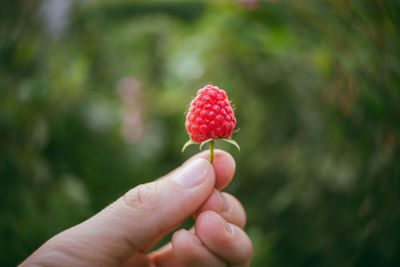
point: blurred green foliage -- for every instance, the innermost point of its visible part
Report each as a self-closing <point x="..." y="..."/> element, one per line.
<point x="316" y="86"/>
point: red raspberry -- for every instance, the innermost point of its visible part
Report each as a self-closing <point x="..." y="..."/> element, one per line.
<point x="210" y="115"/>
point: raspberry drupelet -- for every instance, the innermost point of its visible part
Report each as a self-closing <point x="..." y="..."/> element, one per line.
<point x="210" y="117"/>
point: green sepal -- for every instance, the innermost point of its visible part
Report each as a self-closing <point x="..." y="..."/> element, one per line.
<point x="231" y="141"/>
<point x="188" y="143"/>
<point x="205" y="142"/>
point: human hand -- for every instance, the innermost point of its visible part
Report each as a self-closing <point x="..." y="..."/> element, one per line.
<point x="123" y="232"/>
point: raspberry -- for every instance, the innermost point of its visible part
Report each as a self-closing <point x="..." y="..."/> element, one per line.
<point x="210" y="115"/>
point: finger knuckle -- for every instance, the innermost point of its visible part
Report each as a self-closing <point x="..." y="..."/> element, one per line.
<point x="140" y="196"/>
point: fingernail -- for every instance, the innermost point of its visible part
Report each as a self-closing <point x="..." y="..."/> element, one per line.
<point x="192" y="174"/>
<point x="228" y="227"/>
<point x="225" y="204"/>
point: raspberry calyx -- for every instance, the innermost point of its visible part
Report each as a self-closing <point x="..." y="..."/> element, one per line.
<point x="210" y="117"/>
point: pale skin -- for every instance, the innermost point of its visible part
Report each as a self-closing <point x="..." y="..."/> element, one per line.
<point x="124" y="232"/>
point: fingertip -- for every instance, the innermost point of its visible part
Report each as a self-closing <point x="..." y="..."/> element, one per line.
<point x="214" y="202"/>
<point x="224" y="165"/>
<point x="209" y="223"/>
<point x="236" y="212"/>
<point x="225" y="240"/>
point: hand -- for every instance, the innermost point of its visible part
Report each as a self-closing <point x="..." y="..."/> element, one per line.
<point x="123" y="232"/>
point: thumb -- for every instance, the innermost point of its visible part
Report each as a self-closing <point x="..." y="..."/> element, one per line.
<point x="134" y="220"/>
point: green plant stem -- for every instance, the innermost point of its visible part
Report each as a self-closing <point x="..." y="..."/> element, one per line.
<point x="211" y="151"/>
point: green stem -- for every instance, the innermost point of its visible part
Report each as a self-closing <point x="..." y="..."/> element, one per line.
<point x="211" y="151"/>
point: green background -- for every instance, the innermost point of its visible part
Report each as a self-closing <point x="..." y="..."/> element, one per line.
<point x="92" y="101"/>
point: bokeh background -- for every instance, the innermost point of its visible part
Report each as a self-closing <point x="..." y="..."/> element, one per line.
<point x="92" y="100"/>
